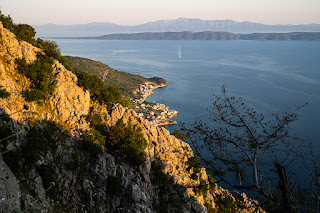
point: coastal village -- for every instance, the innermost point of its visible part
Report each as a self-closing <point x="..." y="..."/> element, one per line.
<point x="158" y="114"/>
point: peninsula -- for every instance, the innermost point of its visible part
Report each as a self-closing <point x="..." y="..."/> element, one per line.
<point x="135" y="87"/>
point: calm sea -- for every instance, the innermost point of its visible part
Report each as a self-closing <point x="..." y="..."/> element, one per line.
<point x="268" y="75"/>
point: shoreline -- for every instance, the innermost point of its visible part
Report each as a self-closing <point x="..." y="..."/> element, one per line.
<point x="150" y="91"/>
<point x="157" y="114"/>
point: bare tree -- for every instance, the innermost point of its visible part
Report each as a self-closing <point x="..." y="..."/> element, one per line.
<point x="239" y="146"/>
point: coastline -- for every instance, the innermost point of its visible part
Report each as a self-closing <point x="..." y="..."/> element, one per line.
<point x="158" y="114"/>
<point x="149" y="91"/>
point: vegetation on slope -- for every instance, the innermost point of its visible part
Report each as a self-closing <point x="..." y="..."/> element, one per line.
<point x="22" y="31"/>
<point x="40" y="74"/>
<point x="126" y="82"/>
<point x="4" y="93"/>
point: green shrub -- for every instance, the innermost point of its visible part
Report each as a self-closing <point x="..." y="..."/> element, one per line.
<point x="6" y="21"/>
<point x="106" y="94"/>
<point x="40" y="74"/>
<point x="92" y="141"/>
<point x="225" y="204"/>
<point x="35" y="95"/>
<point x="194" y="164"/>
<point x="22" y="31"/>
<point x="202" y="188"/>
<point x="50" y="48"/>
<point x="114" y="185"/>
<point x="96" y="123"/>
<point x="4" y="93"/>
<point x="212" y="183"/>
<point x="180" y="135"/>
<point x="94" y="119"/>
<point x="127" y="143"/>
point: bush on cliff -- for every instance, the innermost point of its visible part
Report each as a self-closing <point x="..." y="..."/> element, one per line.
<point x="4" y="93"/>
<point x="25" y="32"/>
<point x="180" y="135"/>
<point x="106" y="94"/>
<point x="22" y="31"/>
<point x="50" y="48"/>
<point x="95" y="121"/>
<point x="127" y="143"/>
<point x="194" y="164"/>
<point x="41" y="77"/>
<point x="93" y="141"/>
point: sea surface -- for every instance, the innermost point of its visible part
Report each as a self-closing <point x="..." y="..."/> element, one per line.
<point x="269" y="75"/>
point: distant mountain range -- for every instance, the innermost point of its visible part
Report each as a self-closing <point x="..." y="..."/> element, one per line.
<point x="177" y="25"/>
<point x="308" y="36"/>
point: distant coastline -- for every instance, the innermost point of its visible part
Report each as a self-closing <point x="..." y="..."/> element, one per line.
<point x="207" y="35"/>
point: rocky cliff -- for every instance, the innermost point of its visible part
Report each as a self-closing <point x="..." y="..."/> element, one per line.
<point x="65" y="177"/>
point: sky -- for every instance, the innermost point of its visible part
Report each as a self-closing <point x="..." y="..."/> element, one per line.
<point x="134" y="12"/>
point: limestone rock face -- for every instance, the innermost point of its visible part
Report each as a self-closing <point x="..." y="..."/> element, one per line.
<point x="11" y="48"/>
<point x="163" y="146"/>
<point x="69" y="102"/>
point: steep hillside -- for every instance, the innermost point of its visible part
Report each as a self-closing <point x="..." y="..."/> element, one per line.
<point x="128" y="83"/>
<point x="75" y="152"/>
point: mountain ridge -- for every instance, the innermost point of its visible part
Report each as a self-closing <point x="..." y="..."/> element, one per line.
<point x="181" y="24"/>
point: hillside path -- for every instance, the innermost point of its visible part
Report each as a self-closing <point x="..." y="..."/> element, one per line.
<point x="105" y="75"/>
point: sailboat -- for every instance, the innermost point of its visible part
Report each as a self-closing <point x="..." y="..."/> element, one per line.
<point x="179" y="52"/>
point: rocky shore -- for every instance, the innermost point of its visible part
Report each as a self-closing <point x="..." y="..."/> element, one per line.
<point x="158" y="114"/>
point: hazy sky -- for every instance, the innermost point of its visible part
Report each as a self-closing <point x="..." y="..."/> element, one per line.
<point x="132" y="12"/>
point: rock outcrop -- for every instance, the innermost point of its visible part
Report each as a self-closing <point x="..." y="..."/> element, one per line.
<point x="9" y="188"/>
<point x="69" y="179"/>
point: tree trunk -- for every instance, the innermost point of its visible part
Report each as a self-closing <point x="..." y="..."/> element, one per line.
<point x="284" y="187"/>
<point x="255" y="170"/>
